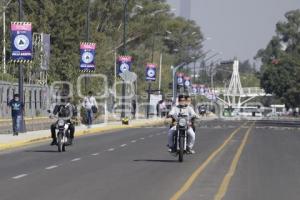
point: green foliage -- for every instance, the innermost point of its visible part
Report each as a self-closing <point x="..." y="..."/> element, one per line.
<point x="151" y="30"/>
<point x="280" y="71"/>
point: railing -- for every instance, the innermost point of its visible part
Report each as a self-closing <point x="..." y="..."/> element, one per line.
<point x="247" y="92"/>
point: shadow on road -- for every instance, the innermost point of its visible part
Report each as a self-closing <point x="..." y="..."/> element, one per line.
<point x="42" y="151"/>
<point x="153" y="160"/>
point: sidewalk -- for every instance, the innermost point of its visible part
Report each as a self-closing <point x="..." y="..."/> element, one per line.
<point x="8" y="141"/>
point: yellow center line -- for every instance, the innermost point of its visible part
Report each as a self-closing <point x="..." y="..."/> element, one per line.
<point x="200" y="169"/>
<point x="227" y="178"/>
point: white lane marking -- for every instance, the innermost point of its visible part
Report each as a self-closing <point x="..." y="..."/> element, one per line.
<point x="75" y="159"/>
<point x="150" y="136"/>
<point x="51" y="167"/>
<point x="111" y="149"/>
<point x="157" y="133"/>
<point x="19" y="176"/>
<point x="95" y="154"/>
<point x="133" y="141"/>
<point x="123" y="145"/>
<point x="142" y="138"/>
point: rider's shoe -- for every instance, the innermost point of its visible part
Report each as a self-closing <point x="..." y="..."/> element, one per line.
<point x="171" y="150"/>
<point x="70" y="142"/>
<point x="54" y="142"/>
<point x="190" y="151"/>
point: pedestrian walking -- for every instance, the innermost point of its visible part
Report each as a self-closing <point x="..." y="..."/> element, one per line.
<point x="133" y="108"/>
<point x="91" y="107"/>
<point x="17" y="107"/>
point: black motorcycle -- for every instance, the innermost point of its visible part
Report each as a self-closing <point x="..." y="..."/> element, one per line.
<point x="62" y="134"/>
<point x="181" y="136"/>
<point x="202" y="111"/>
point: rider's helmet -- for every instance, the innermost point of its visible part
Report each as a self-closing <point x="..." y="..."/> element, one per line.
<point x="181" y="100"/>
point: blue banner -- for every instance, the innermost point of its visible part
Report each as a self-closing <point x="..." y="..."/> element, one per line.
<point x="21" y="38"/>
<point x="87" y="55"/>
<point x="151" y="72"/>
<point x="194" y="89"/>
<point x="124" y="64"/>
<point x="180" y="79"/>
<point x="187" y="81"/>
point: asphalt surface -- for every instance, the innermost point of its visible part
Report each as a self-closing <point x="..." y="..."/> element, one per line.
<point x="235" y="160"/>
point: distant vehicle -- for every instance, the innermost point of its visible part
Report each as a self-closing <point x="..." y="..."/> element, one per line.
<point x="247" y="112"/>
<point x="202" y="110"/>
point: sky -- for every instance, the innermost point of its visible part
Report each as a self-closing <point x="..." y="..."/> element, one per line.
<point x="237" y="28"/>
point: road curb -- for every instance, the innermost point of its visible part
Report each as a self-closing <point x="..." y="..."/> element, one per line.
<point x="91" y="131"/>
<point x="26" y="119"/>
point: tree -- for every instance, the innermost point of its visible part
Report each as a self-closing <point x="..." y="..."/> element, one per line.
<point x="148" y="26"/>
<point x="280" y="71"/>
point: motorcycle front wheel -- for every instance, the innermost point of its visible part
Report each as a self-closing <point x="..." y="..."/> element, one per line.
<point x="181" y="149"/>
<point x="59" y="142"/>
<point x="63" y="147"/>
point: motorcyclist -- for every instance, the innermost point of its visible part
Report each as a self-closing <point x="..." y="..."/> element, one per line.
<point x="189" y="104"/>
<point x="67" y="111"/>
<point x="202" y="110"/>
<point x="175" y="111"/>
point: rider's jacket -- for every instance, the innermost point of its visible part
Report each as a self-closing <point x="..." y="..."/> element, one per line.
<point x="65" y="110"/>
<point x="185" y="110"/>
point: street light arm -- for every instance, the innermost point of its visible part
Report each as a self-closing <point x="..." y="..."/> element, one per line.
<point x="218" y="53"/>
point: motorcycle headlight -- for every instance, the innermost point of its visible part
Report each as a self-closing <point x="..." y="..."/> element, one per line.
<point x="61" y="122"/>
<point x="182" y="122"/>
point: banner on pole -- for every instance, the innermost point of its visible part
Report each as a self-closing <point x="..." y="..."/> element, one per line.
<point x="21" y="38"/>
<point x="151" y="72"/>
<point x="187" y="81"/>
<point x="180" y="78"/>
<point x="87" y="56"/>
<point x="194" y="89"/>
<point x="124" y="63"/>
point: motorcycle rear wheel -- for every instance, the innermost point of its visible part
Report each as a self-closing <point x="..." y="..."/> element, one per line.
<point x="59" y="142"/>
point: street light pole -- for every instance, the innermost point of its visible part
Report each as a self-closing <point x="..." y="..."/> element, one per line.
<point x="4" y="49"/>
<point x="194" y="72"/>
<point x="174" y="91"/>
<point x="124" y="53"/>
<point x="160" y="66"/>
<point x="4" y="34"/>
<point x="21" y="76"/>
<point x="149" y="82"/>
<point x="87" y="37"/>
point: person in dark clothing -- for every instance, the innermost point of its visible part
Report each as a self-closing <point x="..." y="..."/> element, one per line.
<point x="67" y="111"/>
<point x="133" y="108"/>
<point x="17" y="107"/>
<point x="157" y="109"/>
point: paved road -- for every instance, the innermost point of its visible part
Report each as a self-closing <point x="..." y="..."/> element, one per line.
<point x="234" y="161"/>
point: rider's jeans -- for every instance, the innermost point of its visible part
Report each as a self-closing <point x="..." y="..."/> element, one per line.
<point x="191" y="137"/>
